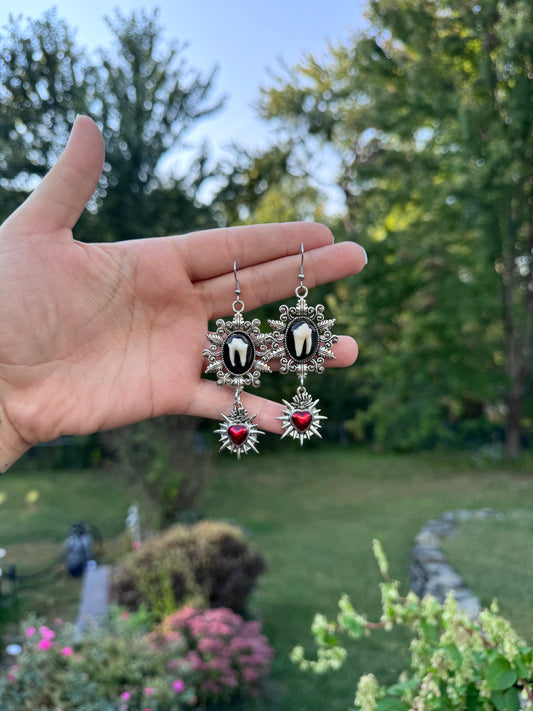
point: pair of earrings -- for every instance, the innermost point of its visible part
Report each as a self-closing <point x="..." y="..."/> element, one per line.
<point x="239" y="353"/>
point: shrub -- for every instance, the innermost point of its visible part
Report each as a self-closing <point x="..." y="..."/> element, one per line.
<point x="111" y="668"/>
<point x="456" y="663"/>
<point x="227" y="657"/>
<point x="168" y="454"/>
<point x="208" y="564"/>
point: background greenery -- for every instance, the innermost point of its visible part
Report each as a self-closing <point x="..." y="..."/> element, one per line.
<point x="428" y="113"/>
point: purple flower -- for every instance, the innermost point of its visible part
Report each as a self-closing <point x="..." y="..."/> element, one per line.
<point x="178" y="686"/>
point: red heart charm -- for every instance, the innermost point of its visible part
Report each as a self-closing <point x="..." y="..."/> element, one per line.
<point x="301" y="419"/>
<point x="238" y="434"/>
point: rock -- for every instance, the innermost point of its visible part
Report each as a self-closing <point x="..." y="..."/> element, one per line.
<point x="431" y="573"/>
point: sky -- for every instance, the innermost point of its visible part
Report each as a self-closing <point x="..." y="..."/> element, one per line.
<point x="245" y="38"/>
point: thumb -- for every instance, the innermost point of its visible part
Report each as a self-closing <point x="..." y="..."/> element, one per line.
<point x="62" y="194"/>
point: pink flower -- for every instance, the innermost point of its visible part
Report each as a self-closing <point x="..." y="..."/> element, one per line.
<point x="45" y="644"/>
<point x="148" y="690"/>
<point x="46" y="632"/>
<point x="30" y="631"/>
<point x="124" y="615"/>
<point x="125" y="696"/>
<point x="136" y="545"/>
<point x="178" y="686"/>
<point x="67" y="651"/>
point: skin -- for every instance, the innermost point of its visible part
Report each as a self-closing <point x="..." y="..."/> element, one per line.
<point x="97" y="336"/>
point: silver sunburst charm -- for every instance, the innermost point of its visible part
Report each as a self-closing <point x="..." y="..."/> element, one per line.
<point x="302" y="337"/>
<point x="301" y="417"/>
<point x="238" y="433"/>
<point x="237" y="352"/>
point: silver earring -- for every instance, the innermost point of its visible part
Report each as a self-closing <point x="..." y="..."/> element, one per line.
<point x="237" y="355"/>
<point x="302" y="340"/>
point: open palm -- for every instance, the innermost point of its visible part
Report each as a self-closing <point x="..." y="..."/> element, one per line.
<point x="95" y="336"/>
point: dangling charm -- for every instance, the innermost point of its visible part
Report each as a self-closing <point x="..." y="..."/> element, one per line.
<point x="301" y="417"/>
<point x="238" y="356"/>
<point x="238" y="433"/>
<point x="302" y="340"/>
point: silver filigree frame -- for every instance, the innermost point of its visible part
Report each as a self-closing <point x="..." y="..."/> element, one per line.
<point x="281" y="326"/>
<point x="218" y="338"/>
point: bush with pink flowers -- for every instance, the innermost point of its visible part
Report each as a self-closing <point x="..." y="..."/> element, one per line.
<point x="114" y="667"/>
<point x="227" y="656"/>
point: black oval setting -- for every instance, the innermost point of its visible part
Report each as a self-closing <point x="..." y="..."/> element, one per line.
<point x="238" y="353"/>
<point x="301" y="339"/>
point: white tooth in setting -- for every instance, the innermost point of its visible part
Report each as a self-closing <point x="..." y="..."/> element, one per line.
<point x="238" y="346"/>
<point x="303" y="336"/>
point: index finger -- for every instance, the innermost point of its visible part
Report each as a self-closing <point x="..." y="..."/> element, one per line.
<point x="212" y="253"/>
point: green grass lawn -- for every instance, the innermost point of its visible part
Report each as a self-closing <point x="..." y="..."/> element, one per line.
<point x="313" y="513"/>
<point x="36" y="511"/>
<point x="495" y="558"/>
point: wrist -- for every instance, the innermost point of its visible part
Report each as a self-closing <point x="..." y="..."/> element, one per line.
<point x="12" y="445"/>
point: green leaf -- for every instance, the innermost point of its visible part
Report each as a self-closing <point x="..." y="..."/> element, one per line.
<point x="473" y="700"/>
<point x="454" y="654"/>
<point x="500" y="676"/>
<point x="391" y="704"/>
<point x="351" y="624"/>
<point x="506" y="700"/>
<point x="402" y="686"/>
<point x="521" y="669"/>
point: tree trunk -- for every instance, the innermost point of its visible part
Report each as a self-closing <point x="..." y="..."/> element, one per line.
<point x="514" y="352"/>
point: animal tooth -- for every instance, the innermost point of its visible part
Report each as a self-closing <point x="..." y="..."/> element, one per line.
<point x="238" y="346"/>
<point x="303" y="337"/>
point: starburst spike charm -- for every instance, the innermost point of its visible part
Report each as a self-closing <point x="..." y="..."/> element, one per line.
<point x="238" y="433"/>
<point x="238" y="355"/>
<point x="301" y="417"/>
<point x="302" y="340"/>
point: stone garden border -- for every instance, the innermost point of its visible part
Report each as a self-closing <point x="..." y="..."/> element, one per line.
<point x="430" y="571"/>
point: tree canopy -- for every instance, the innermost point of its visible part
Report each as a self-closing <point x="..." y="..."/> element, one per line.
<point x="430" y="112"/>
<point x="142" y="93"/>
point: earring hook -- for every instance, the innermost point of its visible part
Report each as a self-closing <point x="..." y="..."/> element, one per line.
<point x="237" y="285"/>
<point x="238" y="304"/>
<point x="301" y="275"/>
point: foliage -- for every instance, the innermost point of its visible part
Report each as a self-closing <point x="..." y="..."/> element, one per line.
<point x="429" y="112"/>
<point x="227" y="656"/>
<point x="209" y="564"/>
<point x="110" y="668"/>
<point x="313" y="514"/>
<point x="265" y="187"/>
<point x="456" y="662"/>
<point x="140" y="91"/>
<point x="167" y="455"/>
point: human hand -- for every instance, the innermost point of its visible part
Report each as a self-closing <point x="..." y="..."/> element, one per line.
<point x="96" y="336"/>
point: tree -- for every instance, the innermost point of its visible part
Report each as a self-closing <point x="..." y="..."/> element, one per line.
<point x="143" y="95"/>
<point x="42" y="88"/>
<point x="430" y="112"/>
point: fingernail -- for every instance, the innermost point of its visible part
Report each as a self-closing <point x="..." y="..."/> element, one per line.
<point x="366" y="255"/>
